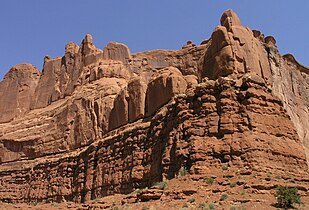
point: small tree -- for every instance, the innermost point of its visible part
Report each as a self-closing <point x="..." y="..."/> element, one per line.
<point x="286" y="197"/>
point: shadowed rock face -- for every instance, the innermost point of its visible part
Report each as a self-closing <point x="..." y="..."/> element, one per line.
<point x="95" y="122"/>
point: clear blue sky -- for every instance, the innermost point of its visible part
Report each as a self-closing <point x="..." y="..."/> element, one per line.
<point x="31" y="29"/>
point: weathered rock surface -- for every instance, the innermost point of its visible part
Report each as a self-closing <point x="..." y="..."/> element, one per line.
<point x="291" y="85"/>
<point x="117" y="51"/>
<point x="95" y="123"/>
<point x="165" y="84"/>
<point x="216" y="125"/>
<point x="234" y="51"/>
<point x="17" y="90"/>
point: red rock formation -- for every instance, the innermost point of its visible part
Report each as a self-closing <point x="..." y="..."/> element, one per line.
<point x="17" y="91"/>
<point x="235" y="50"/>
<point x="117" y="51"/>
<point x="103" y="122"/>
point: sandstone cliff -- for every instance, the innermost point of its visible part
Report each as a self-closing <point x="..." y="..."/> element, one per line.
<point x="99" y="122"/>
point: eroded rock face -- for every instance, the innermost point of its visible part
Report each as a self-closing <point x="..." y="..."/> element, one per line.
<point x="137" y="94"/>
<point x="235" y="51"/>
<point x="164" y="85"/>
<point x="95" y="122"/>
<point x="214" y="125"/>
<point x="17" y="90"/>
<point x="61" y="75"/>
<point x="117" y="51"/>
<point x="291" y="85"/>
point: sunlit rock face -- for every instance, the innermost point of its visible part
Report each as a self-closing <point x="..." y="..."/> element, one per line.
<point x="98" y="122"/>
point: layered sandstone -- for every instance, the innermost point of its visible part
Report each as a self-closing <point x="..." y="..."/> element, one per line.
<point x="98" y="122"/>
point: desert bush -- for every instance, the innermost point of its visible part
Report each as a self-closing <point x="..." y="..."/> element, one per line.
<point x="224" y="168"/>
<point x="224" y="196"/>
<point x="210" y="181"/>
<point x="286" y="197"/>
<point x="232" y="184"/>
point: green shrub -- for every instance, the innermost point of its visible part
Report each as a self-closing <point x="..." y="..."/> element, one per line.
<point x="286" y="197"/>
<point x="224" y="196"/>
<point x="225" y="168"/>
<point x="145" y="208"/>
<point x="211" y="206"/>
<point x="232" y="184"/>
<point x="210" y="181"/>
<point x="202" y="205"/>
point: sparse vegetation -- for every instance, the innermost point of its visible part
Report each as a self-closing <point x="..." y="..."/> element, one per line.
<point x="138" y="191"/>
<point x="269" y="175"/>
<point x="205" y="206"/>
<point x="277" y="177"/>
<point x="55" y="204"/>
<point x="210" y="181"/>
<point x="185" y="205"/>
<point x="224" y="196"/>
<point x="162" y="185"/>
<point x="232" y="184"/>
<point x="242" y="193"/>
<point x="191" y="200"/>
<point x="145" y="208"/>
<point x="291" y="180"/>
<point x="286" y="197"/>
<point x="224" y="168"/>
<point x="183" y="172"/>
<point x="237" y="208"/>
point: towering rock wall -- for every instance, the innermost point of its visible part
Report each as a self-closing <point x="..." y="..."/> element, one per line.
<point x="102" y="122"/>
<point x="291" y="85"/>
<point x="212" y="126"/>
<point x="17" y="90"/>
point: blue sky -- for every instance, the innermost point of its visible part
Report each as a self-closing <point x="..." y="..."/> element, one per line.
<point x="34" y="28"/>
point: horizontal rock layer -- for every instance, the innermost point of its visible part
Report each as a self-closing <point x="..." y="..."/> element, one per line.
<point x="213" y="125"/>
<point x="97" y="122"/>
